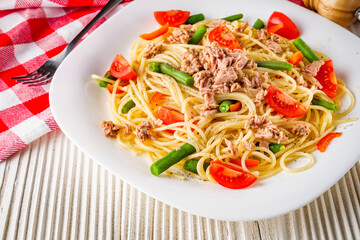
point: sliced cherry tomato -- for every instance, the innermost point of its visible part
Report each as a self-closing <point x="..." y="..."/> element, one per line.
<point x="289" y="29"/>
<point x="156" y="33"/>
<point x="155" y="99"/>
<point x="235" y="107"/>
<point x="169" y="116"/>
<point x="282" y="103"/>
<point x="110" y="87"/>
<point x="224" y="37"/>
<point x="248" y="162"/>
<point x="229" y="176"/>
<point x="324" y="142"/>
<point x="296" y="58"/>
<point x="121" y="69"/>
<point x="174" y="17"/>
<point x="327" y="79"/>
<point x="274" y="28"/>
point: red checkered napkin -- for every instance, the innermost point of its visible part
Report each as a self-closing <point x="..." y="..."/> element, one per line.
<point x="31" y="32"/>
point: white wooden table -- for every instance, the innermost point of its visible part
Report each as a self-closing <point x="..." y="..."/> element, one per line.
<point x="51" y="190"/>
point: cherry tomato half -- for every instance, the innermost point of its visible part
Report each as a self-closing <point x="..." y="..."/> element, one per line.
<point x="229" y="176"/>
<point x="282" y="103"/>
<point x="327" y="79"/>
<point x="174" y="17"/>
<point x="121" y="69"/>
<point x="169" y="116"/>
<point x="289" y="29"/>
<point x="224" y="37"/>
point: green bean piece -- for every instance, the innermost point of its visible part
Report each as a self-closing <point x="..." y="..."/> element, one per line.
<point x="195" y="18"/>
<point x="308" y="53"/>
<point x="225" y="105"/>
<point x="191" y="165"/>
<point x="276" y="65"/>
<point x="127" y="106"/>
<point x="103" y="84"/>
<point x="259" y="24"/>
<point x="198" y="35"/>
<point x="155" y="67"/>
<point x="325" y="104"/>
<point x="180" y="76"/>
<point x="171" y="158"/>
<point x="109" y="76"/>
<point x="274" y="147"/>
<point x="234" y="17"/>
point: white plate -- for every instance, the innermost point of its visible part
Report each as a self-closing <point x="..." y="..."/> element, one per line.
<point x="79" y="106"/>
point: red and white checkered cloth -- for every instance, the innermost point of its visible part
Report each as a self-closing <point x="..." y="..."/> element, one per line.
<point x="31" y="32"/>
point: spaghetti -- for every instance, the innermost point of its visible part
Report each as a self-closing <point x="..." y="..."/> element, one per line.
<point x="224" y="136"/>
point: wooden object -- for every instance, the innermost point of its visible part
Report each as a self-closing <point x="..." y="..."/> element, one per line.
<point x="339" y="11"/>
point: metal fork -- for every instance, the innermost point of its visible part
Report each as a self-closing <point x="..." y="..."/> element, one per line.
<point x="45" y="73"/>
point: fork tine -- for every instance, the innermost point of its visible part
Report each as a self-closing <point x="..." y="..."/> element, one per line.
<point x="42" y="79"/>
<point x="33" y="78"/>
<point x="28" y="75"/>
<point x="42" y="82"/>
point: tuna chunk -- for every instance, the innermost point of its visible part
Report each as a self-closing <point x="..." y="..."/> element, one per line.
<point x="222" y="76"/>
<point x="237" y="58"/>
<point x="249" y="145"/>
<point x="262" y="35"/>
<point x="251" y="81"/>
<point x="210" y="102"/>
<point x="217" y="23"/>
<point x="208" y="113"/>
<point x="243" y="27"/>
<point x="143" y="131"/>
<point x="264" y="143"/>
<point x="191" y="61"/>
<point x="313" y="68"/>
<point x="273" y="46"/>
<point x="204" y="81"/>
<point x="271" y="132"/>
<point x="152" y="50"/>
<point x="300" y="81"/>
<point x="257" y="122"/>
<point x="180" y="36"/>
<point x="260" y="97"/>
<point x="265" y="128"/>
<point x="210" y="55"/>
<point x="110" y="129"/>
<point x="300" y="129"/>
<point x="231" y="147"/>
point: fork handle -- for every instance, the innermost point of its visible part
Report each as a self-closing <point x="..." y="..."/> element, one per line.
<point x="104" y="10"/>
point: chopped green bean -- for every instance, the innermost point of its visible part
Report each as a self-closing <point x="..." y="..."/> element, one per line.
<point x="103" y="84"/>
<point x="171" y="158"/>
<point x="276" y="65"/>
<point x="195" y="18"/>
<point x="259" y="24"/>
<point x="191" y="165"/>
<point x="234" y="17"/>
<point x="274" y="147"/>
<point x="198" y="35"/>
<point x="155" y="67"/>
<point x="308" y="53"/>
<point x="180" y="76"/>
<point x="225" y="105"/>
<point x="325" y="104"/>
<point x="127" y="106"/>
